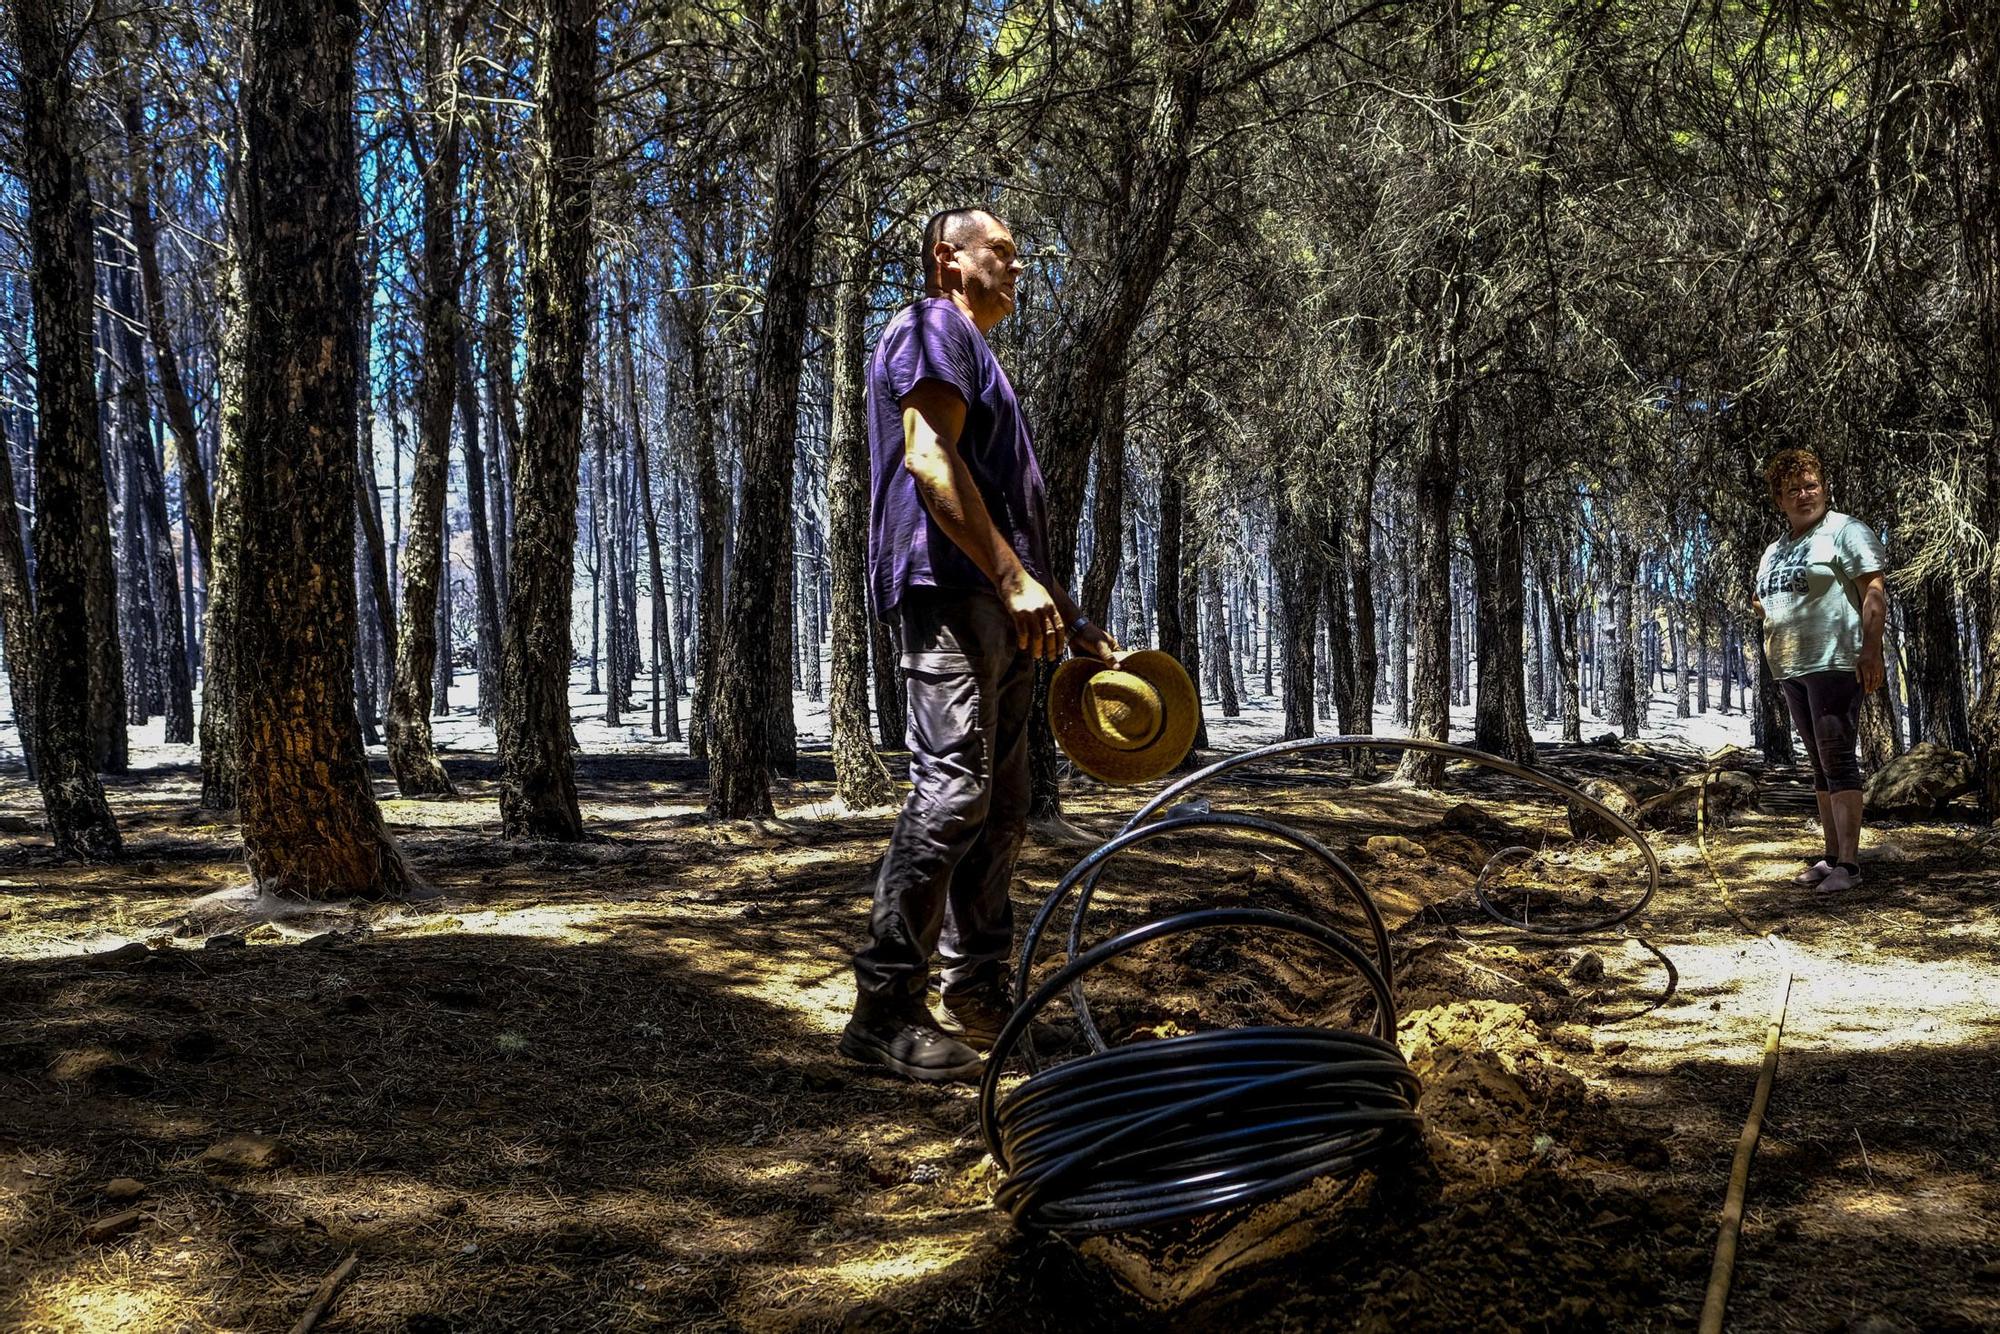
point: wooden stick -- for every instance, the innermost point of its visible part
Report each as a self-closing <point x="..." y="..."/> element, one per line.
<point x="329" y="1287"/>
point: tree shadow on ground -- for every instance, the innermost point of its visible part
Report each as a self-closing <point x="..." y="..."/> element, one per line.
<point x="511" y="1132"/>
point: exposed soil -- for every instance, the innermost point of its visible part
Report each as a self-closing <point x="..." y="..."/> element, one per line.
<point x="595" y="1087"/>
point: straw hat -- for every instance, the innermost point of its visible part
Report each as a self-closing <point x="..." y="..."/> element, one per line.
<point x="1124" y="724"/>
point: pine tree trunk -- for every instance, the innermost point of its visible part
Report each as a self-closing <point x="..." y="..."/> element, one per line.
<point x="711" y="501"/>
<point x="607" y="566"/>
<point x="891" y="702"/>
<point x="218" y="642"/>
<point x="1631" y="700"/>
<point x="1361" y="576"/>
<point x="1941" y="682"/>
<point x="311" y="828"/>
<point x="783" y="746"/>
<point x="747" y="678"/>
<point x="17" y="611"/>
<point x="666" y="677"/>
<point x="1218" y="643"/>
<point x="497" y="346"/>
<point x="859" y="776"/>
<point x="419" y="642"/>
<point x="538" y="782"/>
<point x="486" y="608"/>
<point x="1335" y="605"/>
<point x="1107" y="515"/>
<point x="1429" y="630"/>
<point x="1298" y="602"/>
<point x="68" y="468"/>
<point x="1500" y="723"/>
<point x="139" y="165"/>
<point x="1177" y="593"/>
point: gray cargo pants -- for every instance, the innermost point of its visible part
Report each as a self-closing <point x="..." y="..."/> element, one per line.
<point x="943" y="884"/>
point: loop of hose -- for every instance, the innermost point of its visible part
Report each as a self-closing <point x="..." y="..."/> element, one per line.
<point x="1159" y="1131"/>
<point x="1176" y="794"/>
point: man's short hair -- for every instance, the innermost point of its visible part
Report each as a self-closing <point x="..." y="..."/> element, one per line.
<point x="1787" y="466"/>
<point x="945" y="225"/>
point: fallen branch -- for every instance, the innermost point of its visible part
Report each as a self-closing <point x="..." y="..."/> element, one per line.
<point x="329" y="1287"/>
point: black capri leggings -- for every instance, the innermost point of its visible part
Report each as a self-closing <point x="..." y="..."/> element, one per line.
<point x="1826" y="709"/>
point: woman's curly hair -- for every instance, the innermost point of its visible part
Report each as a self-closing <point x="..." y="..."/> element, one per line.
<point x="1787" y="466"/>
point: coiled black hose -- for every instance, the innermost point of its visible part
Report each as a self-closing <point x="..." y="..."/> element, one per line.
<point x="1160" y="1131"/>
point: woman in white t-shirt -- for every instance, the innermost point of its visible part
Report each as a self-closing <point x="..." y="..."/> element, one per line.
<point x="1823" y="601"/>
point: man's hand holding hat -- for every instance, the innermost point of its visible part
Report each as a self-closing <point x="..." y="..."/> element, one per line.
<point x="1088" y="639"/>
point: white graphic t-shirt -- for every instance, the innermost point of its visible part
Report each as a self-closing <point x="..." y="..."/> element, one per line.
<point x="1812" y="602"/>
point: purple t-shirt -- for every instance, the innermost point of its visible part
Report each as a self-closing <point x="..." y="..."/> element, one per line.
<point x="934" y="340"/>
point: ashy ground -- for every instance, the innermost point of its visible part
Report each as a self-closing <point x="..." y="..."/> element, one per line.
<point x="594" y="1087"/>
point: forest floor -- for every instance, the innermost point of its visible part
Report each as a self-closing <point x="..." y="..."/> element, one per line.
<point x="595" y="1086"/>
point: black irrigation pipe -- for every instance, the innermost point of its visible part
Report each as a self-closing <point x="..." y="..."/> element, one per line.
<point x="1154" y="1132"/>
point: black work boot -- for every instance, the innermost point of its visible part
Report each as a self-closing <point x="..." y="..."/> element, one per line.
<point x="897" y="1033"/>
<point x="977" y="1013"/>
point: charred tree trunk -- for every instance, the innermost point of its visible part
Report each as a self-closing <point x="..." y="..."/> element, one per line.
<point x="1107" y="515"/>
<point x="139" y="165"/>
<point x="412" y="756"/>
<point x="1429" y="629"/>
<point x="607" y="566"/>
<point x="1632" y="700"/>
<point x="218" y="641"/>
<point x="1298" y="609"/>
<point x="1218" y="644"/>
<point x="68" y="468"/>
<point x="859" y="776"/>
<point x="311" y="828"/>
<point x="17" y="611"/>
<point x="486" y="593"/>
<point x="666" y="675"/>
<point x="1176" y="600"/>
<point x="1941" y="681"/>
<point x="151" y="548"/>
<point x="890" y="699"/>
<point x="1500" y="722"/>
<point x="739" y="749"/>
<point x="538" y="782"/>
<point x="711" y="502"/>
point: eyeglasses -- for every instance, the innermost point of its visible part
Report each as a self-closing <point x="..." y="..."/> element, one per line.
<point x="1801" y="492"/>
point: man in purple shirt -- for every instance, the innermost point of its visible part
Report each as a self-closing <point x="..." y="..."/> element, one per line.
<point x="958" y="565"/>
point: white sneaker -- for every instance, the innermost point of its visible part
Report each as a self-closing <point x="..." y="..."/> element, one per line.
<point x="1840" y="878"/>
<point x="1815" y="873"/>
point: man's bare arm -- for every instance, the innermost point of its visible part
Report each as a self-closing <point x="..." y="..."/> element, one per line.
<point x="933" y="417"/>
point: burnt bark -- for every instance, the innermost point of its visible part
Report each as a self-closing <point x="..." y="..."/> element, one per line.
<point x="486" y="598"/>
<point x="750" y="661"/>
<point x="1298" y="615"/>
<point x="1500" y="717"/>
<point x="1107" y="513"/>
<point x="412" y="755"/>
<point x="218" y="641"/>
<point x="711" y="497"/>
<point x="1429" y="612"/>
<point x="1939" y="667"/>
<point x="859" y="776"/>
<point x="69" y="474"/>
<point x="1177" y="606"/>
<point x="17" y="611"/>
<point x="311" y="828"/>
<point x="140" y="164"/>
<point x="538" y="780"/>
